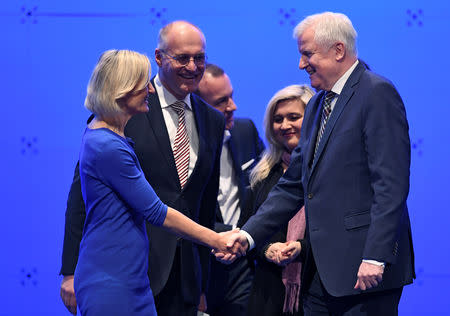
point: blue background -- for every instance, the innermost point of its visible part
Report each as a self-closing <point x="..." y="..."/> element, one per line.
<point x="50" y="47"/>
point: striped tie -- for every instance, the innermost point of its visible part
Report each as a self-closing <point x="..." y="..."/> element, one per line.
<point x="326" y="105"/>
<point x="181" y="144"/>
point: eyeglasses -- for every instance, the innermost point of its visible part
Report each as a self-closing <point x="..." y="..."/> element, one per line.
<point x="184" y="59"/>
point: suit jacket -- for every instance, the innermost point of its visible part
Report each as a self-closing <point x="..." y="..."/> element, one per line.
<point x="229" y="284"/>
<point x="197" y="199"/>
<point x="245" y="147"/>
<point x="354" y="191"/>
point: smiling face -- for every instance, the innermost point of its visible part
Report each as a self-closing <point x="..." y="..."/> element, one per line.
<point x="287" y="122"/>
<point x="180" y="80"/>
<point x="321" y="63"/>
<point x="137" y="100"/>
<point x="218" y="92"/>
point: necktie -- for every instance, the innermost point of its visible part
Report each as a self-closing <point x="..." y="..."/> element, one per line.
<point x="326" y="111"/>
<point x="181" y="144"/>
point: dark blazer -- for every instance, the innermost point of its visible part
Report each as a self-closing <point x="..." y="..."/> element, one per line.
<point x="230" y="284"/>
<point x="197" y="200"/>
<point x="246" y="147"/>
<point x="355" y="190"/>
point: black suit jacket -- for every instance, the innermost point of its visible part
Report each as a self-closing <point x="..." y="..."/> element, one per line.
<point x="197" y="200"/>
<point x="355" y="189"/>
<point x="245" y="147"/>
<point x="230" y="284"/>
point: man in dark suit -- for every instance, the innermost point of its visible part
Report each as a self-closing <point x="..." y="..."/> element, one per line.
<point x="351" y="171"/>
<point x="229" y="286"/>
<point x="178" y="269"/>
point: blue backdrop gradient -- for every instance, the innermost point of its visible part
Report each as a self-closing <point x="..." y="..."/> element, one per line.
<point x="50" y="47"/>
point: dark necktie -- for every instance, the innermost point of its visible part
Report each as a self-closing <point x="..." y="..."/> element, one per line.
<point x="181" y="144"/>
<point x="326" y="111"/>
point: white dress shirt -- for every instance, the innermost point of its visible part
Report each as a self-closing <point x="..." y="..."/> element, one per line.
<point x="171" y="119"/>
<point x="228" y="197"/>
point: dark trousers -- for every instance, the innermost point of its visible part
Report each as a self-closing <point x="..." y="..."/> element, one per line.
<point x="318" y="302"/>
<point x="229" y="287"/>
<point x="170" y="302"/>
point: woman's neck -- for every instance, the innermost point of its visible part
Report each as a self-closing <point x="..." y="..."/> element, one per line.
<point x="285" y="160"/>
<point x="116" y="124"/>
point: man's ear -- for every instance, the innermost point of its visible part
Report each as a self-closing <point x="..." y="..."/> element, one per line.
<point x="339" y="49"/>
<point x="158" y="57"/>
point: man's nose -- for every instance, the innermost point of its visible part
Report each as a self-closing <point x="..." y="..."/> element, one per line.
<point x="231" y="105"/>
<point x="302" y="64"/>
<point x="191" y="65"/>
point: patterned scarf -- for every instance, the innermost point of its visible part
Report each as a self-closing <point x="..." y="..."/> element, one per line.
<point x="292" y="272"/>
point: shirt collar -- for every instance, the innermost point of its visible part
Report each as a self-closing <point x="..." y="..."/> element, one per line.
<point x="166" y="98"/>
<point x="339" y="85"/>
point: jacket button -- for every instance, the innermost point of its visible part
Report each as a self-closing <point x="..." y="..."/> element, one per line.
<point x="310" y="196"/>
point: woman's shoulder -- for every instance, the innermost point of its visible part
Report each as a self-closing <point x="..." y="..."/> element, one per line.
<point x="104" y="141"/>
<point x="266" y="184"/>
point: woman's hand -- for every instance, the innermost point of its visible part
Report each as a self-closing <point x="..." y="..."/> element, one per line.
<point x="273" y="252"/>
<point x="283" y="253"/>
<point x="291" y="251"/>
<point x="230" y="246"/>
<point x="68" y="294"/>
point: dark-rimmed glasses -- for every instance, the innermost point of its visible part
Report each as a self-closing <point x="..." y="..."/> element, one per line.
<point x="184" y="59"/>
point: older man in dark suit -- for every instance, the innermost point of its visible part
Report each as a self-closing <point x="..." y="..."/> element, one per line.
<point x="229" y="286"/>
<point x="351" y="171"/>
<point x="178" y="144"/>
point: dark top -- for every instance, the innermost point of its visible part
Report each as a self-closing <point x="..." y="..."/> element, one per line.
<point x="268" y="291"/>
<point x="112" y="265"/>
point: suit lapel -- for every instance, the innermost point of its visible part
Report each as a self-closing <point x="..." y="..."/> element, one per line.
<point x="236" y="164"/>
<point x="158" y="125"/>
<point x="201" y="130"/>
<point x="313" y="135"/>
<point x="341" y="103"/>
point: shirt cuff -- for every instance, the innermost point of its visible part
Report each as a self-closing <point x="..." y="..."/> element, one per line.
<point x="251" y="242"/>
<point x="377" y="263"/>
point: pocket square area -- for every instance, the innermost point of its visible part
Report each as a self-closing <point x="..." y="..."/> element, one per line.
<point x="247" y="164"/>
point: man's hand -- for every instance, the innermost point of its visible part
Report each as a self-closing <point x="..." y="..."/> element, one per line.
<point x="202" y="306"/>
<point x="283" y="253"/>
<point x="68" y="294"/>
<point x="369" y="276"/>
<point x="236" y="246"/>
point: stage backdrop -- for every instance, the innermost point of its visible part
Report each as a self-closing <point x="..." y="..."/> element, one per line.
<point x="49" y="48"/>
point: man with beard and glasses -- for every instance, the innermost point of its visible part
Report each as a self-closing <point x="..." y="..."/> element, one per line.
<point x="178" y="144"/>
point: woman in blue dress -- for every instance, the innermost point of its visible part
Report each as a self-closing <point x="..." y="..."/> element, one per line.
<point x="111" y="274"/>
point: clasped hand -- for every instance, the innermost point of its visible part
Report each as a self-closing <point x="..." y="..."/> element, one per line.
<point x="233" y="243"/>
<point x="283" y="253"/>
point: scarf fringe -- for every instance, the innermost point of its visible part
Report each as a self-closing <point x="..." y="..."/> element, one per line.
<point x="291" y="299"/>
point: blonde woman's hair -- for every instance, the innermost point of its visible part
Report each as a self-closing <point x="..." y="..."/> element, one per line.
<point x="117" y="73"/>
<point x="272" y="155"/>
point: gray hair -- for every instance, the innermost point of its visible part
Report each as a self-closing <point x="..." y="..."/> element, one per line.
<point x="272" y="154"/>
<point x="117" y="73"/>
<point x="329" y="27"/>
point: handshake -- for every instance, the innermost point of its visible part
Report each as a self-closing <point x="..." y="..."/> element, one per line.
<point x="234" y="244"/>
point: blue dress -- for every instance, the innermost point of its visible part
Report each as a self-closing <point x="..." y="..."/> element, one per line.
<point x="111" y="273"/>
